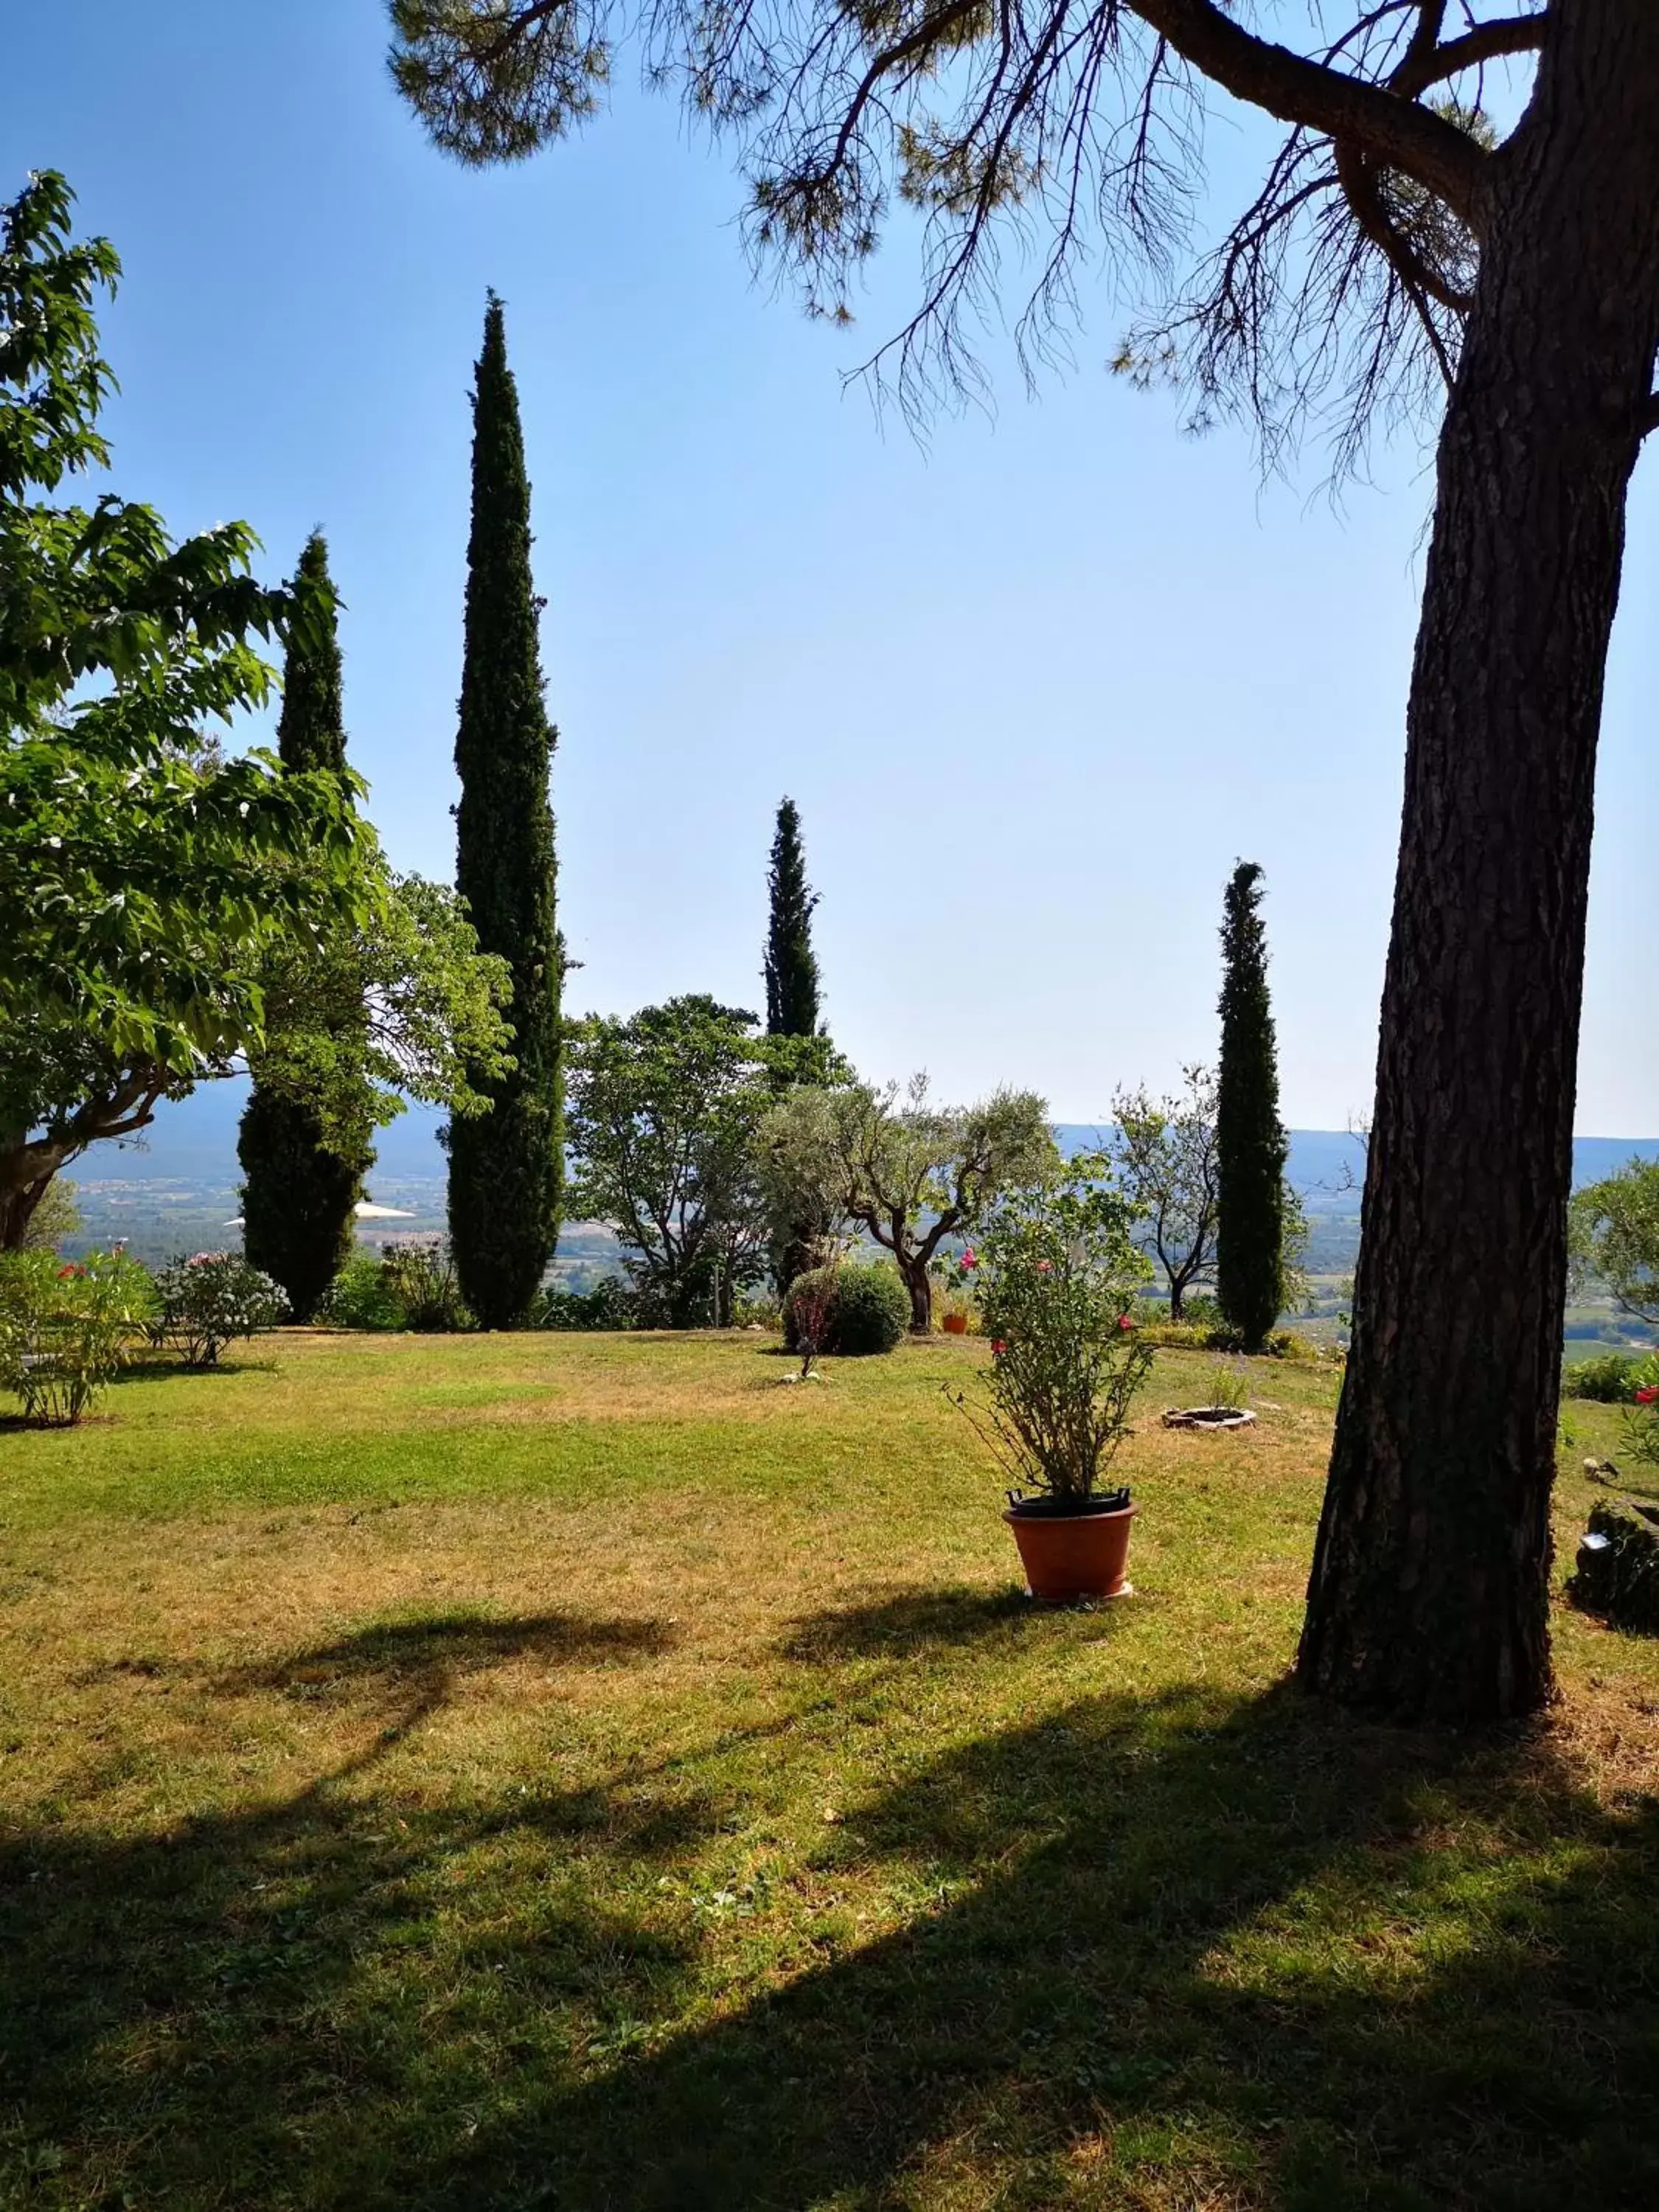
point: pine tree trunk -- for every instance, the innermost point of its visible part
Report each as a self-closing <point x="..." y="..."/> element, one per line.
<point x="1431" y="1582"/>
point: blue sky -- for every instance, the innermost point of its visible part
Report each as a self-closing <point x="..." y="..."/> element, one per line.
<point x="1034" y="688"/>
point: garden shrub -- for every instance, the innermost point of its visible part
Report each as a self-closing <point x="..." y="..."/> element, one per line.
<point x="1175" y="1336"/>
<point x="607" y="1305"/>
<point x="1609" y="1379"/>
<point x="424" y="1279"/>
<point x="210" y="1300"/>
<point x="361" y="1297"/>
<point x="66" y="1326"/>
<point x="1188" y="1336"/>
<point x="869" y="1312"/>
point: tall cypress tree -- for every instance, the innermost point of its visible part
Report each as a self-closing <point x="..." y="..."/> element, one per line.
<point x="792" y="967"/>
<point x="506" y="1167"/>
<point x="299" y="1191"/>
<point x="1251" y="1146"/>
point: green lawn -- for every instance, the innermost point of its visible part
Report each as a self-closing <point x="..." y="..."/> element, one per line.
<point x="583" y="1773"/>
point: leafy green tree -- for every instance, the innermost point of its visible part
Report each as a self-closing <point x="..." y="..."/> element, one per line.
<point x="792" y="966"/>
<point x="1401" y="258"/>
<point x="665" y="1109"/>
<point x="1250" y="1144"/>
<point x="143" y="877"/>
<point x="506" y="1168"/>
<point x="908" y="1173"/>
<point x="1614" y="1232"/>
<point x="299" y="1190"/>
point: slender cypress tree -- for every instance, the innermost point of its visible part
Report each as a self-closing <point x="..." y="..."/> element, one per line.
<point x="506" y="1167"/>
<point x="792" y="1004"/>
<point x="792" y="967"/>
<point x="1251" y="1147"/>
<point x="300" y="1192"/>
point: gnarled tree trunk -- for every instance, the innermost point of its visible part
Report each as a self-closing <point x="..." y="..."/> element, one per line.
<point x="920" y="1283"/>
<point x="1430" y="1590"/>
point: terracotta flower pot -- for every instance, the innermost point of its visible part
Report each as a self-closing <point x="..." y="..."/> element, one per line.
<point x="1068" y="1556"/>
<point x="954" y="1324"/>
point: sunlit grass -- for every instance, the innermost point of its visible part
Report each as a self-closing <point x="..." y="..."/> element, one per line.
<point x="581" y="1771"/>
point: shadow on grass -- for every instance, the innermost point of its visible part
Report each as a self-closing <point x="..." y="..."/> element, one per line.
<point x="1174" y="1951"/>
<point x="439" y="1646"/>
<point x="155" y="1368"/>
<point x="912" y="1621"/>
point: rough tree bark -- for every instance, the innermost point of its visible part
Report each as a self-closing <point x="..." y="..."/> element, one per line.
<point x="1429" y="1596"/>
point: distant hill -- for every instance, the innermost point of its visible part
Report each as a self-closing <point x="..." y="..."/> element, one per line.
<point x="194" y="1141"/>
<point x="176" y="1189"/>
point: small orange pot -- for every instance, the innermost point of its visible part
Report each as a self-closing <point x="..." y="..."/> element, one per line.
<point x="954" y="1324"/>
<point x="1067" y="1556"/>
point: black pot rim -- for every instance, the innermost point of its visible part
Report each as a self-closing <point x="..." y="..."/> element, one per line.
<point x="1041" y="1508"/>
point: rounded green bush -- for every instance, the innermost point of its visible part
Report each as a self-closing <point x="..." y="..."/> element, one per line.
<point x="869" y="1310"/>
<point x="1609" y="1377"/>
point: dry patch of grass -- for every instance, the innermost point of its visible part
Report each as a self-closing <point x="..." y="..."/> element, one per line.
<point x="578" y="1772"/>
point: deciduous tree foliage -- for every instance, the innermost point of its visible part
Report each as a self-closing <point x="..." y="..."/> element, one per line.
<point x="1401" y="254"/>
<point x="1250" y="1144"/>
<point x="663" y="1113"/>
<point x="299" y="1190"/>
<point x="143" y="877"/>
<point x="506" y="1168"/>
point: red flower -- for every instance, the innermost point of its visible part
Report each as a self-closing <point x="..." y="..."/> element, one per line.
<point x="970" y="1258"/>
<point x="70" y="1270"/>
<point x="998" y="1344"/>
<point x="1648" y="1396"/>
<point x="1126" y="1321"/>
<point x="1045" y="1267"/>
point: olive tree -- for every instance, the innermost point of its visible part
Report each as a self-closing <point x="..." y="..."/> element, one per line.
<point x="1405" y="254"/>
<point x="1615" y="1236"/>
<point x="1164" y="1155"/>
<point x="906" y="1172"/>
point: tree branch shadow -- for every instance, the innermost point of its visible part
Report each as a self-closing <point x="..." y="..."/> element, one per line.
<point x="1178" y="1949"/>
<point x="910" y="1622"/>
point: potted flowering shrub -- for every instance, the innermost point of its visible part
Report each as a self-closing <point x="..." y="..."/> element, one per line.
<point x="1058" y="1278"/>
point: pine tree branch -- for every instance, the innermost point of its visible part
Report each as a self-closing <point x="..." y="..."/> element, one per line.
<point x="1389" y="129"/>
<point x="1487" y="42"/>
<point x="1358" y="178"/>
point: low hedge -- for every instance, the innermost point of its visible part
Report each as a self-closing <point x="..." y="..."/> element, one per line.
<point x="869" y="1311"/>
